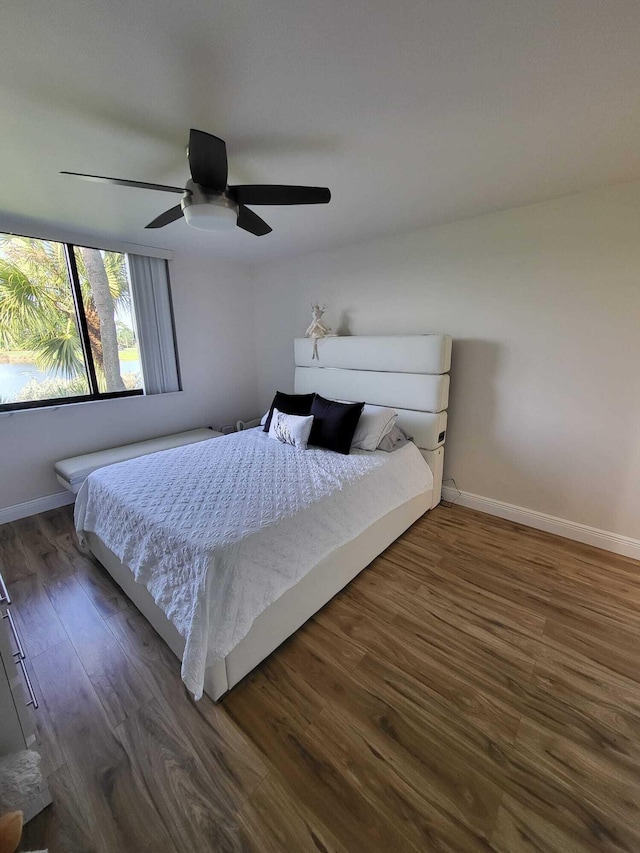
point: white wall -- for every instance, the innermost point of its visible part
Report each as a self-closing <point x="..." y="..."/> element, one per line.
<point x="212" y="302"/>
<point x="543" y="303"/>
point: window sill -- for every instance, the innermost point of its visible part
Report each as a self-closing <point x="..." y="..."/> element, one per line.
<point x="56" y="408"/>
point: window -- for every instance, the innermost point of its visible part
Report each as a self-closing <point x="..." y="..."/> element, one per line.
<point x="79" y="323"/>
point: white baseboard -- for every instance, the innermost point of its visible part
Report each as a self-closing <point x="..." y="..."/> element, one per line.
<point x="614" y="542"/>
<point x="13" y="513"/>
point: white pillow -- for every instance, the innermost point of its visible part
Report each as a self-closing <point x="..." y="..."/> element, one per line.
<point x="291" y="429"/>
<point x="396" y="439"/>
<point x="263" y="419"/>
<point x="375" y="422"/>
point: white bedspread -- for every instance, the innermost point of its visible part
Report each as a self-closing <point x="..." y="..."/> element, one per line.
<point x="217" y="531"/>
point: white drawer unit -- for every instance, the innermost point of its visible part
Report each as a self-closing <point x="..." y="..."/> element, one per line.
<point x="16" y="697"/>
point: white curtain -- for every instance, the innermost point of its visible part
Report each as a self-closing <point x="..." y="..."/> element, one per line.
<point x="152" y="303"/>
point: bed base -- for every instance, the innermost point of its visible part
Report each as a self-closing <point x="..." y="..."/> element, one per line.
<point x="282" y="618"/>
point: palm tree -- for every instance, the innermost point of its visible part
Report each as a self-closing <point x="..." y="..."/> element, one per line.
<point x="37" y="311"/>
<point x="104" y="303"/>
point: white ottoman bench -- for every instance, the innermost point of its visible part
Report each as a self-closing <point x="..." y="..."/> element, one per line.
<point x="74" y="471"/>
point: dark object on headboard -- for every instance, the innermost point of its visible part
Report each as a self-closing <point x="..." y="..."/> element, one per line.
<point x="334" y="424"/>
<point x="290" y="404"/>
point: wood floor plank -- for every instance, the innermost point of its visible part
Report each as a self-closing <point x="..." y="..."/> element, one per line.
<point x="607" y="787"/>
<point x="519" y="830"/>
<point x="577" y="554"/>
<point x="429" y="770"/>
<point x="300" y="700"/>
<point x="422" y="801"/>
<point x="119" y="685"/>
<point x="594" y="583"/>
<point x="56" y="521"/>
<point x="38" y="624"/>
<point x="375" y="605"/>
<point x="619" y="651"/>
<point x="102" y="591"/>
<point x="31" y="535"/>
<point x="386" y="575"/>
<point x="48" y="744"/>
<point x="14" y="564"/>
<point x="189" y="795"/>
<point x="428" y="626"/>
<point x="273" y="820"/>
<point x="64" y="826"/>
<point x="444" y="529"/>
<point x="584" y="701"/>
<point x="43" y="555"/>
<point x="518" y="773"/>
<point x="561" y="808"/>
<point x="301" y="671"/>
<point x="508" y="579"/>
<point x="576" y="605"/>
<point x="482" y="616"/>
<point x="485" y="660"/>
<point x="341" y="650"/>
<point x="220" y="743"/>
<point x="120" y="812"/>
<point x="106" y="596"/>
<point x="458" y="569"/>
<point x="310" y="771"/>
<point x="440" y="685"/>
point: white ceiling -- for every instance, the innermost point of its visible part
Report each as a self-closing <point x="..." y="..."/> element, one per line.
<point x="413" y="112"/>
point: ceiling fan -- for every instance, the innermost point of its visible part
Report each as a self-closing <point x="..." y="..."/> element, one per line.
<point x="208" y="203"/>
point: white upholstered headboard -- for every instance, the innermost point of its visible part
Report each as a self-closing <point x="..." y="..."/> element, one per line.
<point x="410" y="373"/>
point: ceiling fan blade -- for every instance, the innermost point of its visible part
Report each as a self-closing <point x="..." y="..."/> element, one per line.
<point x="208" y="160"/>
<point x="166" y="218"/>
<point x="122" y="182"/>
<point x="251" y="222"/>
<point x="279" y="194"/>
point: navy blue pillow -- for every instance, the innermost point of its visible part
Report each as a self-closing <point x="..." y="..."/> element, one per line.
<point x="334" y="424"/>
<point x="290" y="404"/>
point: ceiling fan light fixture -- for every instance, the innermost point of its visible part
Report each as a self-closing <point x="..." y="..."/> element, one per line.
<point x="207" y="210"/>
<point x="210" y="217"/>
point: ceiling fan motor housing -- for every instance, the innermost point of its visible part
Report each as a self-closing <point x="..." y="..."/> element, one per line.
<point x="207" y="209"/>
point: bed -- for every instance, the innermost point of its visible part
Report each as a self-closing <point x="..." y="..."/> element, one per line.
<point x="228" y="546"/>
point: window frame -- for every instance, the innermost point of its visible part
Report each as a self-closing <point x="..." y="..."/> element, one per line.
<point x="94" y="394"/>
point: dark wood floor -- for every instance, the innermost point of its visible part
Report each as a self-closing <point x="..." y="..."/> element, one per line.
<point x="476" y="688"/>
